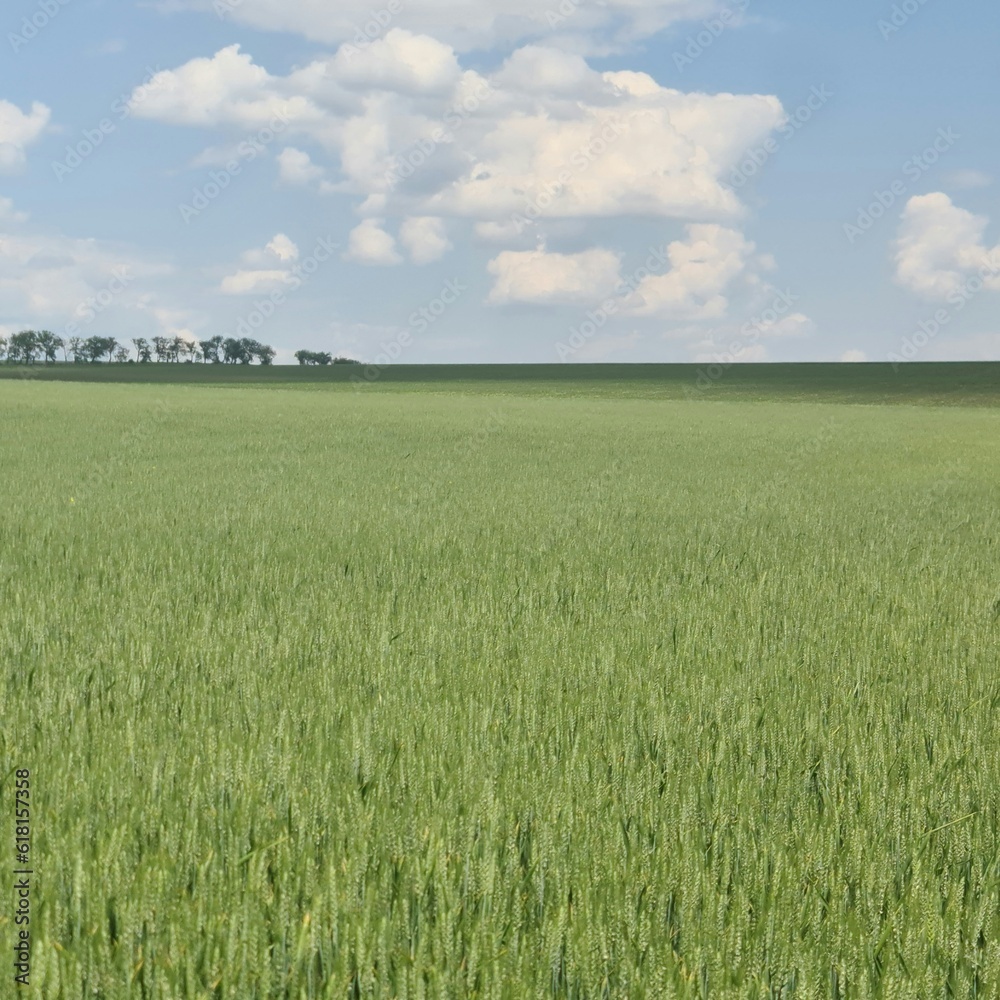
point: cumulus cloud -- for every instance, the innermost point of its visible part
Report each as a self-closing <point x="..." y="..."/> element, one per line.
<point x="400" y="61"/>
<point x="296" y="167"/>
<point x="252" y="282"/>
<point x="226" y="89"/>
<point x="542" y="146"/>
<point x="425" y="239"/>
<point x="546" y="137"/>
<point x="283" y="248"/>
<point x="701" y="269"/>
<point x="18" y="130"/>
<point x="468" y="24"/>
<point x="262" y="276"/>
<point x="661" y="153"/>
<point x="544" y="278"/>
<point x="541" y="69"/>
<point x="370" y="244"/>
<point x="854" y="356"/>
<point x="941" y="246"/>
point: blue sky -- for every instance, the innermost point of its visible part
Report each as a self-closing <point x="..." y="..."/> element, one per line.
<point x="654" y="180"/>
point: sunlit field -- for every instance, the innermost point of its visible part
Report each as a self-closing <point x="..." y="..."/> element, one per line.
<point x="543" y="691"/>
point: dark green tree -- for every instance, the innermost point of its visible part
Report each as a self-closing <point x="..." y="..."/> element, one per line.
<point x="48" y="345"/>
<point x="23" y="348"/>
<point x="211" y="349"/>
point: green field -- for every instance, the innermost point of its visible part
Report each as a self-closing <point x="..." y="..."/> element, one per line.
<point x="956" y="383"/>
<point x="513" y="683"/>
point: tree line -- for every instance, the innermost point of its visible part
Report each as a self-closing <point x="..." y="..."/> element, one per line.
<point x="31" y="346"/>
<point x="322" y="358"/>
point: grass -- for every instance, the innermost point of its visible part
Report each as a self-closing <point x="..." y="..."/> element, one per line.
<point x="521" y="694"/>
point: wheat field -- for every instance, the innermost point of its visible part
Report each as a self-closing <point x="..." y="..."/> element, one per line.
<point x="397" y="694"/>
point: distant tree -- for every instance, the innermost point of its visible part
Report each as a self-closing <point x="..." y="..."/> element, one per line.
<point x="176" y="346"/>
<point x="3" y="348"/>
<point x="346" y="361"/>
<point x="76" y="349"/>
<point x="143" y="354"/>
<point x="313" y="358"/>
<point x="161" y="346"/>
<point x="43" y="341"/>
<point x="210" y="349"/>
<point x="23" y="347"/>
<point x="95" y="348"/>
<point x="122" y="355"/>
<point x="48" y="345"/>
<point x="248" y="350"/>
<point x="231" y="351"/>
<point x="32" y="344"/>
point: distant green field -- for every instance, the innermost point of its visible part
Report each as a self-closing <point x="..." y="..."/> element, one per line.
<point x="972" y="384"/>
<point x="536" y="691"/>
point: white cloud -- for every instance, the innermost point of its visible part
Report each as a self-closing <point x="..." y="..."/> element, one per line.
<point x="549" y="278"/>
<point x="19" y="130"/>
<point x="542" y="146"/>
<point x="940" y="246"/>
<point x="425" y="239"/>
<point x="702" y="268"/>
<point x="795" y="325"/>
<point x="538" y="69"/>
<point x="502" y="232"/>
<point x="467" y="24"/>
<point x="400" y="61"/>
<point x="252" y="282"/>
<point x="659" y="154"/>
<point x="283" y="248"/>
<point x="217" y="156"/>
<point x="261" y="275"/>
<point x="546" y="137"/>
<point x="296" y="167"/>
<point x="370" y="244"/>
<point x="227" y="88"/>
<point x="854" y="357"/>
